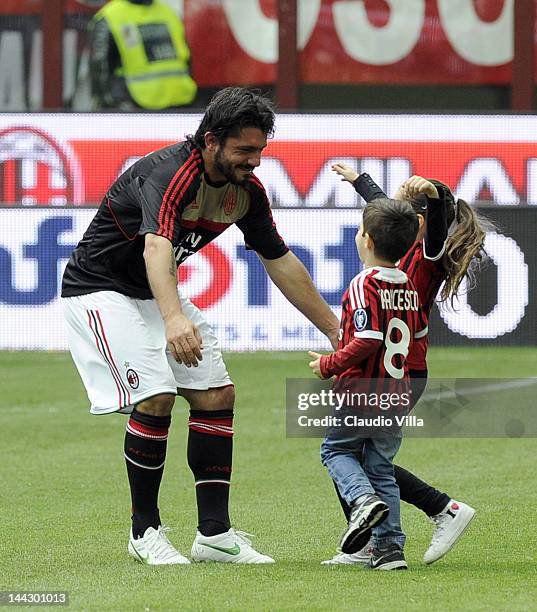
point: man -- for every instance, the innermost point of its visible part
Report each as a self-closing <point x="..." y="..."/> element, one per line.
<point x="139" y="57"/>
<point x="137" y="343"/>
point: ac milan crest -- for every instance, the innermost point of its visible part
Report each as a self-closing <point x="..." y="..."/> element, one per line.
<point x="133" y="379"/>
<point x="35" y="169"/>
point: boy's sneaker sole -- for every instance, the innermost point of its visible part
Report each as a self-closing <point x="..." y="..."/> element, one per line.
<point x="362" y="557"/>
<point x="369" y="515"/>
<point x="391" y="565"/>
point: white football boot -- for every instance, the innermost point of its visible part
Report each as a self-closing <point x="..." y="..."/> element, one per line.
<point x="155" y="548"/>
<point x="451" y="523"/>
<point x="228" y="547"/>
<point x="362" y="557"/>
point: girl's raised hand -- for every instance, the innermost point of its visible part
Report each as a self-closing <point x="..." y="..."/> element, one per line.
<point x="348" y="173"/>
<point x="416" y="185"/>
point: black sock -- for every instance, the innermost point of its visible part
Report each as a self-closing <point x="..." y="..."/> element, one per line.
<point x="418" y="493"/>
<point x="146" y="438"/>
<point x="210" y="450"/>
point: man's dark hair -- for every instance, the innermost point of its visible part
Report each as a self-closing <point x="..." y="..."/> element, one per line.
<point x="232" y="109"/>
<point x="392" y="225"/>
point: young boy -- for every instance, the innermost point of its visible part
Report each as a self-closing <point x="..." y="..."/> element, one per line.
<point x="381" y="316"/>
<point x="447" y="225"/>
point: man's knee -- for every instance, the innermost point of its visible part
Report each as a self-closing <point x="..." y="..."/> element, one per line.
<point x="158" y="405"/>
<point x="225" y="397"/>
<point x="217" y="398"/>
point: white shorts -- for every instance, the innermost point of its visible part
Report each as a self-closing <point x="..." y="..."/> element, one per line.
<point x="118" y="345"/>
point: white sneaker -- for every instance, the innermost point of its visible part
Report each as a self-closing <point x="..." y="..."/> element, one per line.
<point x="155" y="548"/>
<point x="362" y="557"/>
<point x="451" y="523"/>
<point x="229" y="547"/>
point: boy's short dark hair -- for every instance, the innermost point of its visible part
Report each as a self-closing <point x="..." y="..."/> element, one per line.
<point x="232" y="109"/>
<point x="392" y="225"/>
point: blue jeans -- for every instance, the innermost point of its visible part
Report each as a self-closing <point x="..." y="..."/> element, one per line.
<point x="340" y="454"/>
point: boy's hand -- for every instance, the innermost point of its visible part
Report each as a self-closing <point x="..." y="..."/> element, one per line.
<point x="416" y="185"/>
<point x="315" y="365"/>
<point x="348" y="173"/>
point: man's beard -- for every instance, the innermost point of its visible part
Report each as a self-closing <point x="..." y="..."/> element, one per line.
<point x="227" y="169"/>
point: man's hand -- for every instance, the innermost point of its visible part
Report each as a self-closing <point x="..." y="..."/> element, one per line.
<point x="182" y="336"/>
<point x="415" y="186"/>
<point x="348" y="173"/>
<point x="184" y="340"/>
<point x="315" y="364"/>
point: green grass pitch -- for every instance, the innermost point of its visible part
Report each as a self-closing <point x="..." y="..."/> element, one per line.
<point x="65" y="502"/>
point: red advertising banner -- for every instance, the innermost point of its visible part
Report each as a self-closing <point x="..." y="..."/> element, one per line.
<point x="339" y="41"/>
<point x="73" y="159"/>
<point x="344" y="41"/>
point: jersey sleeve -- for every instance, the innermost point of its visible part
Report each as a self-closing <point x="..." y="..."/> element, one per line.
<point x="366" y="187"/>
<point x="357" y="351"/>
<point x="364" y="301"/>
<point x="164" y="194"/>
<point x="101" y="43"/>
<point x="258" y="227"/>
<point x="436" y="227"/>
<point x="422" y="324"/>
<point x="364" y="307"/>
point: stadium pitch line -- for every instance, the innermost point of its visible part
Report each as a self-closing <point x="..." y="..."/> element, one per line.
<point x="513" y="384"/>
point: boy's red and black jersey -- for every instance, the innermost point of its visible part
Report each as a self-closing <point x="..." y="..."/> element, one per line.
<point x="166" y="193"/>
<point x="381" y="317"/>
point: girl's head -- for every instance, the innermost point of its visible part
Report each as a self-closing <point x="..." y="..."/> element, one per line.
<point x="434" y="189"/>
<point x="465" y="242"/>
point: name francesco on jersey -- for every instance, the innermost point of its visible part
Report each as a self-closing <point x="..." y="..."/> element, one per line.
<point x="398" y="299"/>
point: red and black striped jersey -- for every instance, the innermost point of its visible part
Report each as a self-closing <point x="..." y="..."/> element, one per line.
<point x="424" y="265"/>
<point x="166" y="193"/>
<point x="427" y="275"/>
<point x="381" y="316"/>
